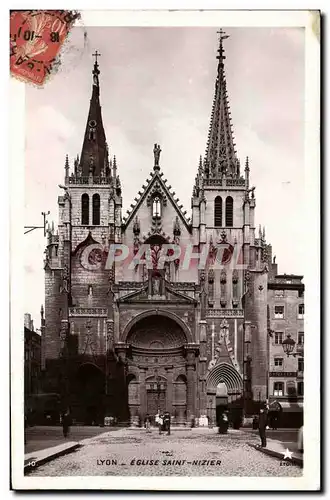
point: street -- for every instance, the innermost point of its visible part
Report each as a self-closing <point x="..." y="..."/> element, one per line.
<point x="40" y="437"/>
<point x="186" y="452"/>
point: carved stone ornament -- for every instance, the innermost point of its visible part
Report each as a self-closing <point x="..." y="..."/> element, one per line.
<point x="235" y="276"/>
<point x="223" y="277"/>
<point x="65" y="280"/>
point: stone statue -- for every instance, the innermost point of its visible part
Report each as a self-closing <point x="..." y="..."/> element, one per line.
<point x="157" y="152"/>
<point x="156" y="286"/>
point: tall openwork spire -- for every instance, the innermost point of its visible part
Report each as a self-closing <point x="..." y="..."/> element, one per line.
<point x="94" y="150"/>
<point x="220" y="157"/>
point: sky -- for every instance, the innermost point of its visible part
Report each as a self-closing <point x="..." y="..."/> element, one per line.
<point x="157" y="86"/>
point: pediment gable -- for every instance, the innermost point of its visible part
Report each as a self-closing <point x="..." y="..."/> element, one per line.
<point x="157" y="184"/>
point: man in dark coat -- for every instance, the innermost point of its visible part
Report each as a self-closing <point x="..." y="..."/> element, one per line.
<point x="167" y="422"/>
<point x="262" y="426"/>
<point x="66" y="422"/>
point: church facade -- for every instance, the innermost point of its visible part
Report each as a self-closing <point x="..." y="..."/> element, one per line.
<point x="158" y="309"/>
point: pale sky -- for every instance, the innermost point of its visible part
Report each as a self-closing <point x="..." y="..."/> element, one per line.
<point x="157" y="85"/>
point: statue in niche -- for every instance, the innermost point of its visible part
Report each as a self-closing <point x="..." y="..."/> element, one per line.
<point x="156" y="286"/>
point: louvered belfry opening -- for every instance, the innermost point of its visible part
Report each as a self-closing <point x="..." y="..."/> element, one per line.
<point x="96" y="209"/>
<point x="85" y="209"/>
<point x="229" y="211"/>
<point x="218" y="211"/>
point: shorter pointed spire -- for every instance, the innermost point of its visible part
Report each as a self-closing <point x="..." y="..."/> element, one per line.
<point x="247" y="164"/>
<point x="66" y="167"/>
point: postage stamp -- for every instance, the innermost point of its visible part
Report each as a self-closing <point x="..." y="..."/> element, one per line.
<point x="36" y="38"/>
<point x="174" y="282"/>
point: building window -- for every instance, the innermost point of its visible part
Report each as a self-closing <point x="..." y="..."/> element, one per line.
<point x="300" y="388"/>
<point x="85" y="209"/>
<point x="90" y="290"/>
<point x="156" y="209"/>
<point x="300" y="364"/>
<point x="301" y="311"/>
<point x="301" y="338"/>
<point x="278" y="361"/>
<point x="229" y="211"/>
<point x="300" y="293"/>
<point x="96" y="209"/>
<point x="278" y="388"/>
<point x="218" y="211"/>
<point x="279" y="312"/>
<point x="278" y="339"/>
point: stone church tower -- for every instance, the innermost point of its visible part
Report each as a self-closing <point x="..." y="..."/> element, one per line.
<point x="156" y="310"/>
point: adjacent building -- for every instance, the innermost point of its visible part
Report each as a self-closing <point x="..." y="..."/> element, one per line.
<point x="32" y="358"/>
<point x="286" y="373"/>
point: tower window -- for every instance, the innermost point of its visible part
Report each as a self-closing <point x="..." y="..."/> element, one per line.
<point x="96" y="209"/>
<point x="218" y="211"/>
<point x="300" y="364"/>
<point x="229" y="211"/>
<point x="301" y="311"/>
<point x="156" y="207"/>
<point x="85" y="209"/>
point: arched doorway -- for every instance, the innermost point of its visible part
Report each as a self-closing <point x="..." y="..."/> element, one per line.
<point x="224" y="391"/>
<point x="90" y="393"/>
<point x="157" y="356"/>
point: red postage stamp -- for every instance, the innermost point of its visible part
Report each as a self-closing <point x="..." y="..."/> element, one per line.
<point x="36" y="37"/>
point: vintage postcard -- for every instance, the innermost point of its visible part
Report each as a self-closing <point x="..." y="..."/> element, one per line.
<point x="167" y="286"/>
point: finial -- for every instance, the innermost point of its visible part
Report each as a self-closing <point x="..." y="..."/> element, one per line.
<point x="42" y="312"/>
<point x="222" y="36"/>
<point x="96" y="70"/>
<point x="260" y="233"/>
<point x="247" y="164"/>
<point x="157" y="152"/>
<point x="264" y="233"/>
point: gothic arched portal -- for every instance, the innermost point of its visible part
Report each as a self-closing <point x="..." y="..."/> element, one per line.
<point x="156" y="355"/>
<point x="224" y="391"/>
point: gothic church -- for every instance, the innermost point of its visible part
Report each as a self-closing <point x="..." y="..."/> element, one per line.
<point x="126" y="340"/>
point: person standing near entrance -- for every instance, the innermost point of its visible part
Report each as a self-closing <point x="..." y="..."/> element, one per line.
<point x="167" y="422"/>
<point x="66" y="422"/>
<point x="147" y="423"/>
<point x="262" y="427"/>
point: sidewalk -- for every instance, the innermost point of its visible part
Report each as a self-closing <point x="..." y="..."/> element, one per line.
<point x="277" y="449"/>
<point x="36" y="458"/>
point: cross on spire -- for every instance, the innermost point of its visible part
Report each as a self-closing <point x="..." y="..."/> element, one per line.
<point x="222" y="36"/>
<point x="96" y="55"/>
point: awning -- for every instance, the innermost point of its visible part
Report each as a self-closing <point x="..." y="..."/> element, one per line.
<point x="292" y="407"/>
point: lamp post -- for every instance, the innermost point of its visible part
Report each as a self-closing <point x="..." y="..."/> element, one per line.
<point x="288" y="347"/>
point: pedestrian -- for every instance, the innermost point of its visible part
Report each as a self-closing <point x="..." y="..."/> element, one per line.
<point x="262" y="427"/>
<point x="224" y="423"/>
<point x="66" y="422"/>
<point x="147" y="423"/>
<point x="167" y="422"/>
<point x="160" y="422"/>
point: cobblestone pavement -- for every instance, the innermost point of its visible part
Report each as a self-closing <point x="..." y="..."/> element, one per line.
<point x="196" y="452"/>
